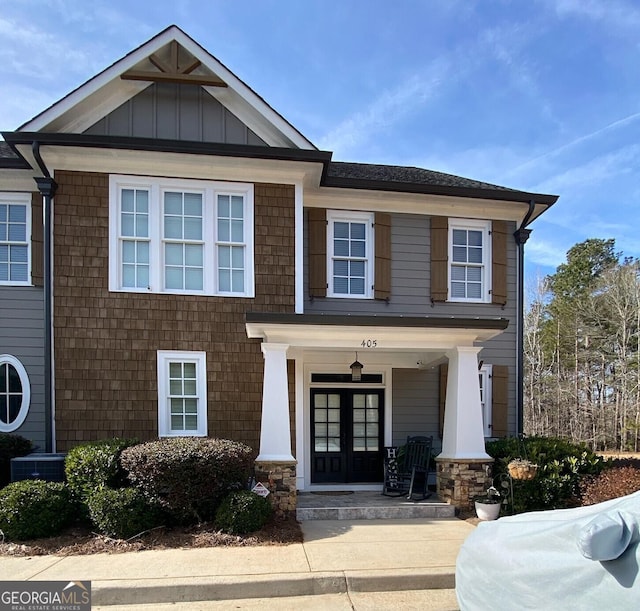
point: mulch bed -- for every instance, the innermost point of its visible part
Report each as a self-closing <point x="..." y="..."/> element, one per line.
<point x="82" y="541"/>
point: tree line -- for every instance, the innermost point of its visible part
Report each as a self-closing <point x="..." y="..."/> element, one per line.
<point x="582" y="350"/>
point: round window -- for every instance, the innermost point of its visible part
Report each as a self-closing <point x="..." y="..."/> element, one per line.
<point x="15" y="393"/>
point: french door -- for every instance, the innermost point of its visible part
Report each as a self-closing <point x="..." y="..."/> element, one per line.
<point x="346" y="435"/>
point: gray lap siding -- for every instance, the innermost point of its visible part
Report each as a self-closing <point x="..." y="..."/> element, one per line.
<point x="22" y="336"/>
<point x="416" y="392"/>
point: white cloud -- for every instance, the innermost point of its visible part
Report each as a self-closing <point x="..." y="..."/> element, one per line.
<point x="548" y="156"/>
<point x="23" y="104"/>
<point x="618" y="14"/>
<point x="542" y="252"/>
<point x="389" y="108"/>
<point x="594" y="172"/>
<point x="33" y="52"/>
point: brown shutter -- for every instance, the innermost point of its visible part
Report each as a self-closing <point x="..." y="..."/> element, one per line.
<point x="444" y="369"/>
<point x="499" y="392"/>
<point x="382" y="284"/>
<point x="439" y="256"/>
<point x="499" y="263"/>
<point x="37" y="251"/>
<point x="317" y="252"/>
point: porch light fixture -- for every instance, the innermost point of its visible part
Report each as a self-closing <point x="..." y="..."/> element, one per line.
<point x="356" y="370"/>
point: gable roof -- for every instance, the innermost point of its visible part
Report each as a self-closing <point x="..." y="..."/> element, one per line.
<point x="103" y="93"/>
<point x="173" y="54"/>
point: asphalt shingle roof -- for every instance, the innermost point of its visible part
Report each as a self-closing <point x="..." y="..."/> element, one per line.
<point x="419" y="180"/>
<point x="404" y="174"/>
<point x="6" y="152"/>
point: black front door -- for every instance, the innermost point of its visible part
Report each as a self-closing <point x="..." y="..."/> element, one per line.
<point x="346" y="435"/>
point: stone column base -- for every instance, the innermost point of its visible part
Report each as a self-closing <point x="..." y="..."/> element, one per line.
<point x="458" y="480"/>
<point x="280" y="479"/>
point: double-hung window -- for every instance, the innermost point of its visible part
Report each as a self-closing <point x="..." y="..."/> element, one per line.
<point x="15" y="238"/>
<point x="469" y="260"/>
<point x="350" y="254"/>
<point x="181" y="236"/>
<point x="182" y="394"/>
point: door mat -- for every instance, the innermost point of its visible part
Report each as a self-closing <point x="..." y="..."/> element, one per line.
<point x="333" y="492"/>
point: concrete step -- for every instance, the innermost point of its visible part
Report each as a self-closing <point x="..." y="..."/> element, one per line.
<point x="366" y="505"/>
<point x="404" y="512"/>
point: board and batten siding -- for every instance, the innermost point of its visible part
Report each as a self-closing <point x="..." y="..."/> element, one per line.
<point x="22" y="336"/>
<point x="410" y="296"/>
<point x="175" y="112"/>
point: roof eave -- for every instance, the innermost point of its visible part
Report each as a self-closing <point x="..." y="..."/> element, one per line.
<point x="441" y="322"/>
<point x="426" y="189"/>
<point x="173" y="146"/>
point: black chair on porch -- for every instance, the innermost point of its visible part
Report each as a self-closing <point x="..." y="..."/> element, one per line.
<point x="406" y="468"/>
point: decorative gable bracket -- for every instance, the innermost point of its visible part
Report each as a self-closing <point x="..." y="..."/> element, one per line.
<point x="173" y="70"/>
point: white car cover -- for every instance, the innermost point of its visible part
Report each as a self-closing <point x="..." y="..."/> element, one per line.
<point x="579" y="559"/>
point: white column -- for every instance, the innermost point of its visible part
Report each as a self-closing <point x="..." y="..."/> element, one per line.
<point x="275" y="432"/>
<point x="463" y="435"/>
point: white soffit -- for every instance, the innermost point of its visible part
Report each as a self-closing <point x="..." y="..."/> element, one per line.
<point x="331" y="337"/>
<point x="106" y="91"/>
<point x="183" y="165"/>
<point x="18" y="180"/>
<point x="418" y="203"/>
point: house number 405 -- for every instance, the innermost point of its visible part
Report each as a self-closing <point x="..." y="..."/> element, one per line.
<point x="369" y="343"/>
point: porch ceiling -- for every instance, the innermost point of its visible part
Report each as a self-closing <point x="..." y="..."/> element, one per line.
<point x="389" y="333"/>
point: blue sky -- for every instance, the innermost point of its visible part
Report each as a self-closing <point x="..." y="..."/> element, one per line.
<point x="542" y="95"/>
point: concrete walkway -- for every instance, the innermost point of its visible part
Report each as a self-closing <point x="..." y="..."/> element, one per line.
<point x="337" y="557"/>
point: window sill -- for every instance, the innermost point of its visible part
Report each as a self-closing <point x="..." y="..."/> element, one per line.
<point x="183" y="293"/>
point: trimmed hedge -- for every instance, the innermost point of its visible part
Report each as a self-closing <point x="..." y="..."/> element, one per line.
<point x="188" y="476"/>
<point x="95" y="465"/>
<point x="122" y="512"/>
<point x="11" y="446"/>
<point x="562" y="465"/>
<point x="243" y="512"/>
<point x="34" y="508"/>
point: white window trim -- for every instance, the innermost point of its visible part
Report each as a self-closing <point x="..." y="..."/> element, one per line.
<point x="358" y="217"/>
<point x="210" y="190"/>
<point x="486" y="372"/>
<point x="22" y="199"/>
<point x="164" y="411"/>
<point x="26" y="393"/>
<point x="485" y="227"/>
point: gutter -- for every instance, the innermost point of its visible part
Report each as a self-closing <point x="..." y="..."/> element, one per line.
<point x="521" y="236"/>
<point x="47" y="187"/>
<point x="168" y="146"/>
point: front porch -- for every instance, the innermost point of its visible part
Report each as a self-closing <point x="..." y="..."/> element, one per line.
<point x="341" y="424"/>
<point x="367" y="505"/>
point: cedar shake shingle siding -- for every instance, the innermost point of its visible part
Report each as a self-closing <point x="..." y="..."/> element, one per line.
<point x="106" y="342"/>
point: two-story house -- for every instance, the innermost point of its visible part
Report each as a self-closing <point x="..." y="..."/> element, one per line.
<point x="191" y="264"/>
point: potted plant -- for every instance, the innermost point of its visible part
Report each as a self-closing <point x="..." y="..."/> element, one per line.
<point x="488" y="505"/>
<point x="522" y="468"/>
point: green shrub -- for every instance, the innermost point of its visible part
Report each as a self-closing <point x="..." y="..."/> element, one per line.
<point x="562" y="465"/>
<point x="11" y="446"/>
<point x="34" y="508"/>
<point x="243" y="512"/>
<point x="188" y="476"/>
<point x="122" y="512"/>
<point x="95" y="465"/>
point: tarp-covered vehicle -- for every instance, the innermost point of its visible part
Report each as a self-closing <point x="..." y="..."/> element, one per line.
<point x="567" y="559"/>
